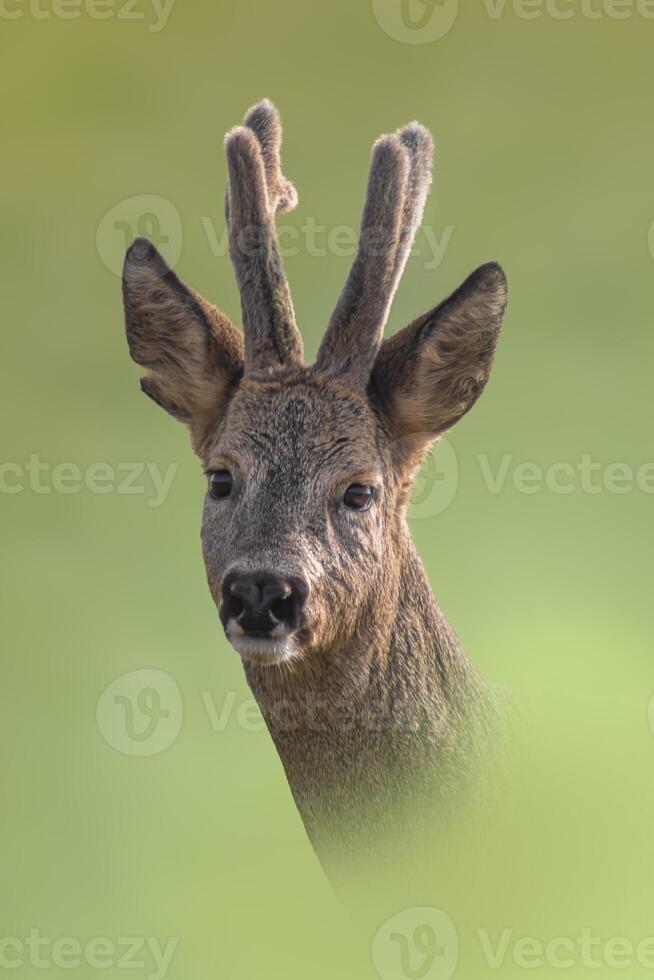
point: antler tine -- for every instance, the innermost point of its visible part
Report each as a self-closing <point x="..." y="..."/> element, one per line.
<point x="263" y="119"/>
<point x="420" y="147"/>
<point x="356" y="326"/>
<point x="398" y="185"/>
<point x="256" y="190"/>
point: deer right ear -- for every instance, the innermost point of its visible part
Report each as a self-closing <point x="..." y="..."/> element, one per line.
<point x="427" y="376"/>
<point x="192" y="353"/>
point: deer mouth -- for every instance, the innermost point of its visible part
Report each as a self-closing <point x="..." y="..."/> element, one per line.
<point x="266" y="650"/>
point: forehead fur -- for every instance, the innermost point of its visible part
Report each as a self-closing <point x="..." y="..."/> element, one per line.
<point x="299" y="413"/>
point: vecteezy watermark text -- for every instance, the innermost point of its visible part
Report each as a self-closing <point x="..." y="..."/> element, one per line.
<point x="567" y="9"/>
<point x="156" y="218"/>
<point x="587" y="949"/>
<point x="586" y="475"/>
<point x="141" y="714"/>
<point x="424" y="942"/>
<point x="99" y="953"/>
<point x="155" y="13"/>
<point x="438" y="480"/>
<point x="426" y="21"/>
<point x="41" y="477"/>
<point x="318" y="240"/>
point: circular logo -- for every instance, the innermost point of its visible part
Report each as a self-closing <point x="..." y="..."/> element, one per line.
<point x="415" y="21"/>
<point x="140" y="713"/>
<point x="143" y="216"/>
<point x="436" y="483"/>
<point x="420" y="942"/>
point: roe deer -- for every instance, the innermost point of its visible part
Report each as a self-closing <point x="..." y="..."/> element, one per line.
<point x="375" y="710"/>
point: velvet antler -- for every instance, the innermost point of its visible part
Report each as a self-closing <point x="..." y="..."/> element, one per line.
<point x="398" y="184"/>
<point x="256" y="191"/>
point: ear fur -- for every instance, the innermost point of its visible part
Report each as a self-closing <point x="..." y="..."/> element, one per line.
<point x="191" y="352"/>
<point x="427" y="376"/>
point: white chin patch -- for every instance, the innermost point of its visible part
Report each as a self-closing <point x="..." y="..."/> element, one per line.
<point x="268" y="652"/>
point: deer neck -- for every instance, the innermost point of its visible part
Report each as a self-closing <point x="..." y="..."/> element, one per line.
<point x="349" y="723"/>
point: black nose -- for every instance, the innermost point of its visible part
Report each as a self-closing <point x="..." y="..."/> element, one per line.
<point x="259" y="602"/>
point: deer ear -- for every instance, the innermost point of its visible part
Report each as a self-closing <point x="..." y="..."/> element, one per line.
<point x="430" y="374"/>
<point x="192" y="353"/>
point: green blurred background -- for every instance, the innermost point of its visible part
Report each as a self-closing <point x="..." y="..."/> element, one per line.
<point x="545" y="142"/>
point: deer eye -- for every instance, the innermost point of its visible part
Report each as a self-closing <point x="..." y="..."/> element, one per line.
<point x="220" y="483"/>
<point x="358" y="497"/>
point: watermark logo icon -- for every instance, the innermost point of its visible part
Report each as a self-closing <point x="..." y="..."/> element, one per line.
<point x="144" y="216"/>
<point x="418" y="943"/>
<point x="140" y="713"/>
<point x="436" y="483"/>
<point x="415" y="21"/>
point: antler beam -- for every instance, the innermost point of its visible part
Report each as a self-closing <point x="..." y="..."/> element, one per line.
<point x="256" y="191"/>
<point x="400" y="176"/>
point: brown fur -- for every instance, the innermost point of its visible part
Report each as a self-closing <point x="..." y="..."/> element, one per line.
<point x="437" y="367"/>
<point x="380" y="719"/>
<point x="192" y="352"/>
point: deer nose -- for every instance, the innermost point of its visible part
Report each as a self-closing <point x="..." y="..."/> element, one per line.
<point x="260" y="602"/>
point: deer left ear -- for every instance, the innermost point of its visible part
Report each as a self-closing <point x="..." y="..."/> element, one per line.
<point x="430" y="374"/>
<point x="191" y="352"/>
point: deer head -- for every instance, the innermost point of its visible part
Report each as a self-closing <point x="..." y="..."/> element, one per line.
<point x="309" y="468"/>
